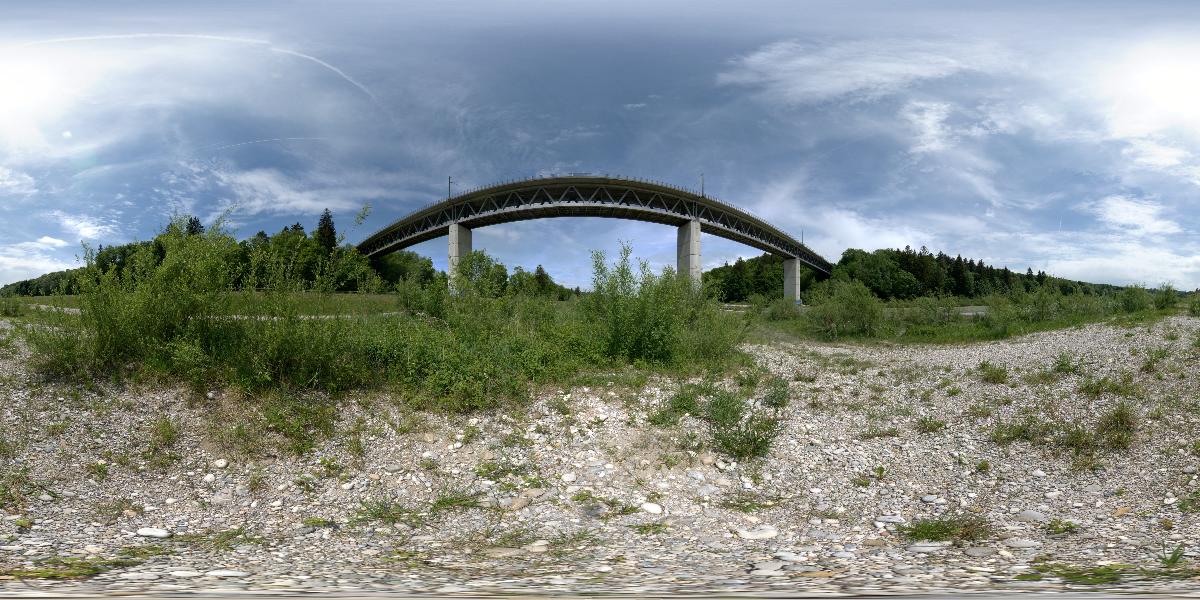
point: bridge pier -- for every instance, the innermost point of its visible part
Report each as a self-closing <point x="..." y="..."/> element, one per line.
<point x="687" y="257"/>
<point x="460" y="246"/>
<point x="791" y="278"/>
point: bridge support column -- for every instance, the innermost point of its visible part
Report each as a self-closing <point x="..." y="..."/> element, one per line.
<point x="791" y="278"/>
<point x="688" y="251"/>
<point x="460" y="246"/>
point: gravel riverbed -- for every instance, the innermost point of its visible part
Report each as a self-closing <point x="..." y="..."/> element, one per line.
<point x="578" y="492"/>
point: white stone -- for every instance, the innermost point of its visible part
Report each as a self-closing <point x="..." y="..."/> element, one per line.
<point x="138" y="576"/>
<point x="226" y="573"/>
<point x="154" y="532"/>
<point x="652" y="508"/>
<point x="183" y="573"/>
<point x="762" y="532"/>
<point x="1038" y="473"/>
<point x="209" y="478"/>
<point x="220" y="463"/>
<point x="568" y="477"/>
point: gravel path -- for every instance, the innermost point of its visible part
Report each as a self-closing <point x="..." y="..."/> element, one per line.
<point x="579" y="493"/>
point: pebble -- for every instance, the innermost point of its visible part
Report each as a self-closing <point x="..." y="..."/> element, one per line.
<point x="979" y="551"/>
<point x="220" y="463"/>
<point x="926" y="547"/>
<point x="223" y="573"/>
<point x="1038" y="473"/>
<point x="153" y="532"/>
<point x="762" y="532"/>
<point x="1021" y="543"/>
<point x="568" y="477"/>
<point x="209" y="478"/>
<point x="929" y="498"/>
<point x="890" y="519"/>
<point x="1189" y="470"/>
<point x="652" y="508"/>
<point x="1029" y="516"/>
<point x="138" y="576"/>
<point x="184" y="573"/>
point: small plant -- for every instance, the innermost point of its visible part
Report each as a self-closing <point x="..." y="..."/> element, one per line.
<point x="318" y="522"/>
<point x="98" y="471"/>
<point x="1065" y="364"/>
<point x="1174" y="558"/>
<point x="990" y="373"/>
<point x="1106" y="385"/>
<point x="930" y="425"/>
<point x="874" y="433"/>
<point x="983" y="466"/>
<point x="776" y="396"/>
<point x="1153" y="357"/>
<point x="1061" y="527"/>
<point x="949" y="529"/>
<point x="804" y="376"/>
<point x="861" y="481"/>
<point x="649" y="528"/>
<point x="953" y="391"/>
<point x="1118" y="425"/>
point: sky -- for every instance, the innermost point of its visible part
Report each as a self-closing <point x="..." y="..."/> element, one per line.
<point x="1057" y="136"/>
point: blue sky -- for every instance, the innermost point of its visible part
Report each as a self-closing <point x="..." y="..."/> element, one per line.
<point x="1062" y="136"/>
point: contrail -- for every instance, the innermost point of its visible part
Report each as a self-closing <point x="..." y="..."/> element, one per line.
<point x="281" y="139"/>
<point x="220" y="38"/>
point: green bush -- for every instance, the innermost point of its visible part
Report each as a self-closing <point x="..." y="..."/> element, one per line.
<point x="1134" y="298"/>
<point x="11" y="307"/>
<point x="844" y="308"/>
<point x="1165" y="297"/>
<point x="1194" y="304"/>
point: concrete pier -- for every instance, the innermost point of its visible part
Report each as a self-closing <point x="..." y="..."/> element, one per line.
<point x="791" y="278"/>
<point x="688" y="251"/>
<point x="460" y="246"/>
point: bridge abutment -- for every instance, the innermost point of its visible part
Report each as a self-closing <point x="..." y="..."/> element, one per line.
<point x="791" y="278"/>
<point x="460" y="246"/>
<point x="688" y="251"/>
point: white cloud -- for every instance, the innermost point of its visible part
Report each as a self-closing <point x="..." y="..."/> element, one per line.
<point x="16" y="183"/>
<point x="635" y="105"/>
<point x="1140" y="217"/>
<point x="1152" y="87"/>
<point x="928" y="120"/>
<point x="46" y="240"/>
<point x="270" y="191"/>
<point x="1152" y="154"/>
<point x="27" y="260"/>
<point x="83" y="226"/>
<point x="794" y="72"/>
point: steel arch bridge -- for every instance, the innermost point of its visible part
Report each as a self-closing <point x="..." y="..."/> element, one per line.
<point x="596" y="196"/>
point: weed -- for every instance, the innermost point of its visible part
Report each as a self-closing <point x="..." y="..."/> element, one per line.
<point x="385" y="511"/>
<point x="98" y="470"/>
<point x="1061" y="527"/>
<point x="164" y="435"/>
<point x="951" y="528"/>
<point x="777" y="394"/>
<point x="874" y="433"/>
<point x="930" y="425"/>
<point x="67" y="568"/>
<point x="983" y="466"/>
<point x="319" y="522"/>
<point x="649" y="528"/>
<point x="1106" y="385"/>
<point x="1065" y="364"/>
<point x="747" y="503"/>
<point x="1174" y="558"/>
<point x="990" y="373"/>
<point x="1117" y="426"/>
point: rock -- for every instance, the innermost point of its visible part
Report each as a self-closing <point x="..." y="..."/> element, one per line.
<point x="788" y="556"/>
<point x="697" y="475"/>
<point x="762" y="532"/>
<point x="707" y="459"/>
<point x="890" y="519"/>
<point x="1053" y="494"/>
<point x="501" y="552"/>
<point x="1038" y="473"/>
<point x="184" y="573"/>
<point x="844" y="554"/>
<point x="138" y="576"/>
<point x="1021" y="543"/>
<point x="223" y="573"/>
<point x="761" y="573"/>
<point x="46" y="498"/>
<point x="652" y="508"/>
<point x="153" y="532"/>
<point x="220" y="463"/>
<point x="929" y="498"/>
<point x="518" y="503"/>
<point x="925" y="547"/>
<point x="979" y="551"/>
<point x="1029" y="516"/>
<point x="1189" y="470"/>
<point x="209" y="478"/>
<point x="770" y="565"/>
<point x="569" y="477"/>
<point x="538" y="547"/>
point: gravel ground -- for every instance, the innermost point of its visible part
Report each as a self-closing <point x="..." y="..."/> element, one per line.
<point x="579" y="493"/>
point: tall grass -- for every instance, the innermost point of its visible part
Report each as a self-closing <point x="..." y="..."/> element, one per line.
<point x="182" y="318"/>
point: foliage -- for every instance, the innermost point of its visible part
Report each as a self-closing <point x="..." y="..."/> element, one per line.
<point x="958" y="528"/>
<point x="841" y="308"/>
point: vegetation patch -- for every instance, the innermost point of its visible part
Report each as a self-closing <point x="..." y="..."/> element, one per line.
<point x="962" y="528"/>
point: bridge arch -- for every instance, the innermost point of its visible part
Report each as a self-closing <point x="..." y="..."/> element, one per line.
<point x="597" y="196"/>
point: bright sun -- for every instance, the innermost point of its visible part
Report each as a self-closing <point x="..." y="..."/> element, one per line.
<point x="1155" y="88"/>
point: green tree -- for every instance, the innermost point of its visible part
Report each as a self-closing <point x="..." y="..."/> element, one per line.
<point x="326" y="234"/>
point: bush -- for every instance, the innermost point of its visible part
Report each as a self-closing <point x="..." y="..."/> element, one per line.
<point x="845" y="308"/>
<point x="11" y="307"/>
<point x="1194" y="304"/>
<point x="993" y="373"/>
<point x="1134" y="298"/>
<point x="656" y="318"/>
<point x="1165" y="297"/>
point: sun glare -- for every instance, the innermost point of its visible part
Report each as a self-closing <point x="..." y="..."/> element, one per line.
<point x="1155" y="88"/>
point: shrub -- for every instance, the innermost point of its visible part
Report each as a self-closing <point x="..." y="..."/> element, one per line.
<point x="1134" y="298"/>
<point x="845" y="308"/>
<point x="777" y="395"/>
<point x="1165" y="297"/>
<point x="11" y="307"/>
<point x="993" y="373"/>
<point x="1194" y="304"/>
<point x="1117" y="426"/>
<point x="930" y="425"/>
